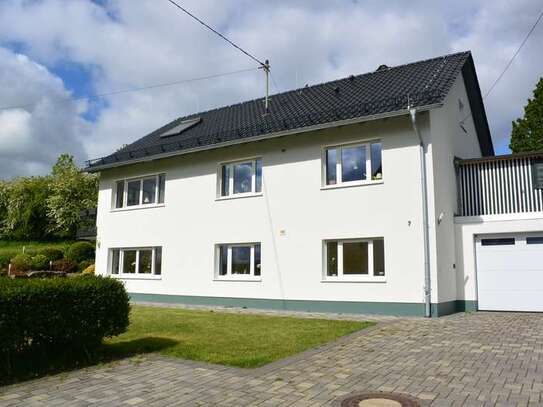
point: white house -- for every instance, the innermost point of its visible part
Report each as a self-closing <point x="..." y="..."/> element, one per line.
<point x="356" y="195"/>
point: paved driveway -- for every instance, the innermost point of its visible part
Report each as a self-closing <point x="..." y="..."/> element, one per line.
<point x="465" y="359"/>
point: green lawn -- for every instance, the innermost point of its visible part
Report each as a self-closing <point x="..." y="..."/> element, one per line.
<point x="8" y="246"/>
<point x="241" y="340"/>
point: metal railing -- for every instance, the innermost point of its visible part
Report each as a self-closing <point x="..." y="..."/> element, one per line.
<point x="87" y="225"/>
<point x="499" y="185"/>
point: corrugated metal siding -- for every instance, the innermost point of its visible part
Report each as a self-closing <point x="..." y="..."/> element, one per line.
<point x="497" y="187"/>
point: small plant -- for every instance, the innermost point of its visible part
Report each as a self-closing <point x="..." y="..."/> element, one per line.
<point x="80" y="251"/>
<point x="83" y="265"/>
<point x="40" y="262"/>
<point x="21" y="263"/>
<point x="89" y="270"/>
<point x="5" y="259"/>
<point x="66" y="266"/>
<point x="51" y="253"/>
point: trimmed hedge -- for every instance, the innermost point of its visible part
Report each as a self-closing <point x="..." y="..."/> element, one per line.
<point x="52" y="253"/>
<point x="40" y="262"/>
<point x="41" y="319"/>
<point x="66" y="266"/>
<point x="21" y="263"/>
<point x="80" y="251"/>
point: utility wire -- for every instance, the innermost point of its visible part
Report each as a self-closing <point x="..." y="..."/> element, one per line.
<point x="117" y="92"/>
<point x="514" y="56"/>
<point x="274" y="83"/>
<point x="491" y="88"/>
<point x="218" y="33"/>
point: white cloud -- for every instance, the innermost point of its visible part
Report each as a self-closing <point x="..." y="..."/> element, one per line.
<point x="32" y="136"/>
<point x="149" y="41"/>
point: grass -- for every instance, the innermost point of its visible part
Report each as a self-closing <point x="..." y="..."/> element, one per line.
<point x="9" y="246"/>
<point x="241" y="340"/>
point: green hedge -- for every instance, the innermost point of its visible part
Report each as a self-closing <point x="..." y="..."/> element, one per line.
<point x="80" y="251"/>
<point x="41" y="319"/>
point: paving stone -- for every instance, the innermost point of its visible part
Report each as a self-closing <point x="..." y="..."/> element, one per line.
<point x="474" y="359"/>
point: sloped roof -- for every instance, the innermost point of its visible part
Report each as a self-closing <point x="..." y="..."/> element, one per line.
<point x="386" y="90"/>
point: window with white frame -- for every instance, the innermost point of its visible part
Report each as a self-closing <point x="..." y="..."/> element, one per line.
<point x="240" y="178"/>
<point x="136" y="261"/>
<point x="352" y="163"/>
<point x="354" y="259"/>
<point x="238" y="261"/>
<point x="143" y="191"/>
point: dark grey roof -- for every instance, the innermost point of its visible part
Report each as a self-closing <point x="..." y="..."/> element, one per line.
<point x="386" y="90"/>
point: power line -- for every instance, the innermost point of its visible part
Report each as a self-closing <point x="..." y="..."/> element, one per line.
<point x="216" y="32"/>
<point x="274" y="83"/>
<point x="491" y="88"/>
<point x="117" y="92"/>
<point x="514" y="56"/>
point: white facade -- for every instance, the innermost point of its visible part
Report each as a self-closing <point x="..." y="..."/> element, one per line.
<point x="291" y="218"/>
<point x="295" y="213"/>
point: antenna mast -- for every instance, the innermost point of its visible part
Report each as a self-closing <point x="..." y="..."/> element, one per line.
<point x="266" y="67"/>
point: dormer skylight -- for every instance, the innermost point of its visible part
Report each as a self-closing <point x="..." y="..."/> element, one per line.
<point x="181" y="127"/>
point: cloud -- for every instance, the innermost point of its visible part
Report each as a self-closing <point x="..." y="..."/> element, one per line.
<point x="123" y="43"/>
<point x="32" y="136"/>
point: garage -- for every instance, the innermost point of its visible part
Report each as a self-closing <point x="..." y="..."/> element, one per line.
<point x="510" y="272"/>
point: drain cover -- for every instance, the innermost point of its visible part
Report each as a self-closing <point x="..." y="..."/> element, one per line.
<point x="379" y="399"/>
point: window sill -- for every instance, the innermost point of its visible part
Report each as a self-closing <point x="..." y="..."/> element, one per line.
<point x="240" y="279"/>
<point x="355" y="280"/>
<point x="136" y="276"/>
<point x="238" y="196"/>
<point x="137" y="207"/>
<point x="352" y="184"/>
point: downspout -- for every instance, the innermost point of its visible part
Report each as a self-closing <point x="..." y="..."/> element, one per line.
<point x="425" y="216"/>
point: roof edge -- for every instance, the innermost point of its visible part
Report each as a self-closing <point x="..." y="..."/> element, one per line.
<point x="360" y="119"/>
<point x="477" y="107"/>
<point x="503" y="157"/>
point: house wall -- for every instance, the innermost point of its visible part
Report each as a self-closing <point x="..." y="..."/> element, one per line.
<point x="466" y="228"/>
<point x="291" y="219"/>
<point x="449" y="140"/>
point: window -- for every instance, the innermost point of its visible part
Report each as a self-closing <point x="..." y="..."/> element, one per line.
<point x="140" y="192"/>
<point x="503" y="241"/>
<point x="537" y="173"/>
<point x="136" y="261"/>
<point x="353" y="163"/>
<point x="534" y="240"/>
<point x="238" y="261"/>
<point x="362" y="259"/>
<point x="241" y="178"/>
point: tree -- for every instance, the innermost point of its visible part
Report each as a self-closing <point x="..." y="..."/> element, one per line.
<point x="71" y="191"/>
<point x="24" y="208"/>
<point x="527" y="133"/>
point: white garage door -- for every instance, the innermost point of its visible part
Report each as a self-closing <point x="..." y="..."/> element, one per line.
<point x="510" y="272"/>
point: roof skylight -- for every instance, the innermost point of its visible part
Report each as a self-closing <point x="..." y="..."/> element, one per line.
<point x="181" y="127"/>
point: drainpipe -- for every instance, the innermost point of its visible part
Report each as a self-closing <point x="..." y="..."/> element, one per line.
<point x="425" y="216"/>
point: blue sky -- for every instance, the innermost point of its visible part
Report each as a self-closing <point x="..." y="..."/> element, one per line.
<point x="62" y="49"/>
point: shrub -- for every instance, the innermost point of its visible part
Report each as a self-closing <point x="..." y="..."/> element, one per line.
<point x="5" y="259"/>
<point x="21" y="263"/>
<point x="89" y="270"/>
<point x="31" y="252"/>
<point x="44" y="319"/>
<point x="83" y="265"/>
<point x="40" y="262"/>
<point x="52" y="253"/>
<point x="65" y="265"/>
<point x="80" y="251"/>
